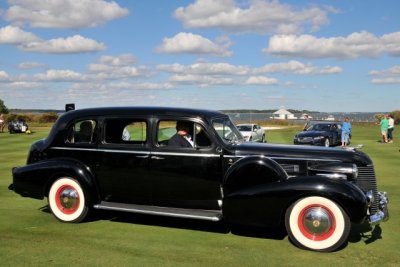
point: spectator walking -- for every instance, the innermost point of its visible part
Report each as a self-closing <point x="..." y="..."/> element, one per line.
<point x="390" y="129"/>
<point x="384" y="128"/>
<point x="307" y="122"/>
<point x="2" y="122"/>
<point x="346" y="131"/>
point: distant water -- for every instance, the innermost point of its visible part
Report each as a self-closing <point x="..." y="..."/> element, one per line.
<point x="337" y="116"/>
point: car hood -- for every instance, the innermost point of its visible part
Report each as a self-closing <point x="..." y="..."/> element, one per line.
<point x="279" y="151"/>
<point x="312" y="133"/>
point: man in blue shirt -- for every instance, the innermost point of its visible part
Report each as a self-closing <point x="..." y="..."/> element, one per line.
<point x="346" y="132"/>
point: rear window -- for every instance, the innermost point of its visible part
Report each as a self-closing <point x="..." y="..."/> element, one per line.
<point x="82" y="132"/>
<point x="125" y="131"/>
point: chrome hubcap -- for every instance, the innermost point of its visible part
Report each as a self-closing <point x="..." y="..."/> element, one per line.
<point x="69" y="198"/>
<point x="317" y="221"/>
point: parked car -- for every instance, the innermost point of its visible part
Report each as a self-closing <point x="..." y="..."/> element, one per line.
<point x="252" y="132"/>
<point x="320" y="134"/>
<point x="88" y="163"/>
<point x="17" y="126"/>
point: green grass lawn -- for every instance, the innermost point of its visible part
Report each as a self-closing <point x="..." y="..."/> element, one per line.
<point x="31" y="236"/>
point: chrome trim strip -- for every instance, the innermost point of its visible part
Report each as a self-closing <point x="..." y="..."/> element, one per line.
<point x="73" y="148"/>
<point x="169" y="214"/>
<point x="186" y="154"/>
<point x="284" y="158"/>
<point x="103" y="150"/>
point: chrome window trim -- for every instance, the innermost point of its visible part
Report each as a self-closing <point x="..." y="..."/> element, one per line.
<point x="139" y="152"/>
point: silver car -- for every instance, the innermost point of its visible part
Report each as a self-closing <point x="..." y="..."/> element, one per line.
<point x="252" y="132"/>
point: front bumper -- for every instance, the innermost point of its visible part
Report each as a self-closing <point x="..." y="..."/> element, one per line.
<point x="382" y="214"/>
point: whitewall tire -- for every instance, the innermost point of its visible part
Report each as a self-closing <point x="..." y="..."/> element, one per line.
<point x="67" y="200"/>
<point x="317" y="223"/>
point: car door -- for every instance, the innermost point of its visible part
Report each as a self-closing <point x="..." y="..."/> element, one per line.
<point x="185" y="177"/>
<point x="122" y="169"/>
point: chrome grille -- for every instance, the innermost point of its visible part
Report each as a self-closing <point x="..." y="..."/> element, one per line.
<point x="366" y="180"/>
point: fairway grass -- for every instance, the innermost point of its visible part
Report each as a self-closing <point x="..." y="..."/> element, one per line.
<point x="31" y="236"/>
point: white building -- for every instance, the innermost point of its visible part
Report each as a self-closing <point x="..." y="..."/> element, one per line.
<point x="283" y="114"/>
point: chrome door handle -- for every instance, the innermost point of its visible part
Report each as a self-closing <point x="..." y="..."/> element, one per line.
<point x="156" y="157"/>
<point x="143" y="157"/>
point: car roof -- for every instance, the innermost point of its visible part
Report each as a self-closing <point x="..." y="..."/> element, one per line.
<point x="145" y="111"/>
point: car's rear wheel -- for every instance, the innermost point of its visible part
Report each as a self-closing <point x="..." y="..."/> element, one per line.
<point x="327" y="143"/>
<point x="317" y="223"/>
<point x="67" y="200"/>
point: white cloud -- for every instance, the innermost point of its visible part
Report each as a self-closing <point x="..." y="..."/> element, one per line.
<point x="200" y="80"/>
<point x="203" y="68"/>
<point x="59" y="76"/>
<point x="190" y="43"/>
<point x="30" y="65"/>
<point x="297" y="67"/>
<point x="115" y="67"/>
<point x="4" y="76"/>
<point x="390" y="80"/>
<point x="62" y="14"/>
<point x="387" y="76"/>
<point x="253" y="16"/>
<point x="121" y="60"/>
<point x="395" y="70"/>
<point x="74" y="44"/>
<point x="261" y="80"/>
<point x="355" y="45"/>
<point x="15" y="36"/>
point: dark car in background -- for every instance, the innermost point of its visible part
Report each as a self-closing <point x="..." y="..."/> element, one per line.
<point x="17" y="126"/>
<point x="320" y="134"/>
<point x="120" y="159"/>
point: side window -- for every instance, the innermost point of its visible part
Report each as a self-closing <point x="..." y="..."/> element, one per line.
<point x="184" y="134"/>
<point x="82" y="132"/>
<point x="125" y="131"/>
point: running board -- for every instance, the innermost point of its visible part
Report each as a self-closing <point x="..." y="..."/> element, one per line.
<point x="209" y="215"/>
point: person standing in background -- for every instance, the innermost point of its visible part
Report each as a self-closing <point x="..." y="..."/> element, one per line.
<point x="2" y="122"/>
<point x="384" y="128"/>
<point x="346" y="131"/>
<point x="390" y="129"/>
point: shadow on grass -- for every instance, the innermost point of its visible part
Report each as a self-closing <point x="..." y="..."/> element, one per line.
<point x="366" y="233"/>
<point x="182" y="223"/>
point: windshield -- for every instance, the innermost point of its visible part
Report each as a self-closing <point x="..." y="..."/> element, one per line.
<point x="227" y="131"/>
<point x="244" y="128"/>
<point x="319" y="127"/>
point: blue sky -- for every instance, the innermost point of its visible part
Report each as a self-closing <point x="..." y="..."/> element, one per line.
<point x="219" y="54"/>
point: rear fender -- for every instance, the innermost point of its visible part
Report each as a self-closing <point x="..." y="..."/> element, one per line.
<point x="34" y="180"/>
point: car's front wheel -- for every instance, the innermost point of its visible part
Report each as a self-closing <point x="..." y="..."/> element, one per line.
<point x="67" y="200"/>
<point x="317" y="223"/>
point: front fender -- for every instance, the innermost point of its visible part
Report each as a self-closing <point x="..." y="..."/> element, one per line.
<point x="251" y="171"/>
<point x="266" y="204"/>
<point x="34" y="180"/>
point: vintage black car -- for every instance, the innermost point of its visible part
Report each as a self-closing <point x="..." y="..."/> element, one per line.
<point x="320" y="134"/>
<point x="17" y="126"/>
<point x="121" y="159"/>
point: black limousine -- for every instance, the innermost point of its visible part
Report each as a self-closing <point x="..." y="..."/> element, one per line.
<point x="132" y="159"/>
